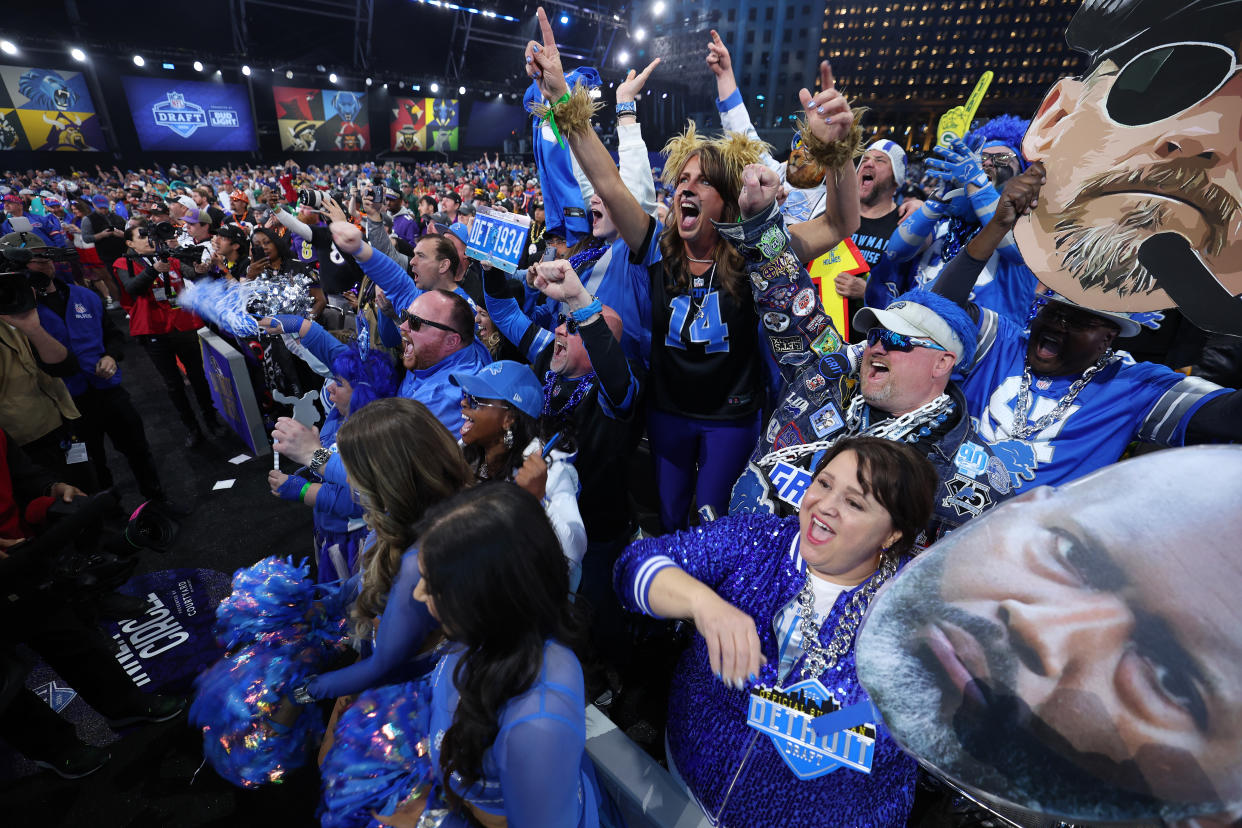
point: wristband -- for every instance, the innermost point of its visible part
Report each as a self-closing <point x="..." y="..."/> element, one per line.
<point x="301" y="693"/>
<point x="627" y="108"/>
<point x="583" y="314"/>
<point x="302" y="494"/>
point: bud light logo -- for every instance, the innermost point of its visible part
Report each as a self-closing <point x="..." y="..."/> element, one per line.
<point x="185" y="117"/>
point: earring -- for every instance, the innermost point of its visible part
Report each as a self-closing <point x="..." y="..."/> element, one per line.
<point x="508" y="438"/>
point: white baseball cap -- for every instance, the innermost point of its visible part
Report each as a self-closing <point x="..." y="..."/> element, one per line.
<point x="896" y="156"/>
<point x="912" y="319"/>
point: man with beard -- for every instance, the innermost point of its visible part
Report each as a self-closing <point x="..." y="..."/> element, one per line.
<point x="1057" y="403"/>
<point x="1146" y="143"/>
<point x="1074" y="655"/>
<point x="970" y="183"/>
<point x="881" y="171"/>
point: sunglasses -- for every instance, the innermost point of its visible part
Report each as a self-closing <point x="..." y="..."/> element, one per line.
<point x="1165" y="80"/>
<point x="1055" y="312"/>
<point x="999" y="159"/>
<point x="894" y="341"/>
<point x="473" y="402"/>
<point x="415" y="322"/>
<point x="571" y="324"/>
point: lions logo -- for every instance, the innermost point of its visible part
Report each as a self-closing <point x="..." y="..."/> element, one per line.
<point x="46" y="88"/>
<point x="346" y="105"/>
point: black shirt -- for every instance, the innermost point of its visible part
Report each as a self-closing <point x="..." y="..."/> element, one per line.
<point x="704" y="345"/>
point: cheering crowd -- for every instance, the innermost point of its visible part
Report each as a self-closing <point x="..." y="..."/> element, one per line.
<point x="464" y="437"/>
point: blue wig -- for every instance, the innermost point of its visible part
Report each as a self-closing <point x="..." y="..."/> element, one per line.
<point x="372" y="375"/>
<point x="953" y="314"/>
<point x="1003" y="130"/>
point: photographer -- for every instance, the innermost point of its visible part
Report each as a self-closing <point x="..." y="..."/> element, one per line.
<point x="41" y="614"/>
<point x="96" y="343"/>
<point x="232" y="245"/>
<point x="153" y="278"/>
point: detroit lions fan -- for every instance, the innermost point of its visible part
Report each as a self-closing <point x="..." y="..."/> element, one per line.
<point x="1057" y="402"/>
<point x="903" y="392"/>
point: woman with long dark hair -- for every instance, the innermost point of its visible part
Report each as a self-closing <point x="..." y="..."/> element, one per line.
<point x="706" y="384"/>
<point x="507" y="734"/>
<point x="777" y="602"/>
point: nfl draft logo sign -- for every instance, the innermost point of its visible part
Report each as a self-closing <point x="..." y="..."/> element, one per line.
<point x="185" y="117"/>
<point x="179" y="115"/>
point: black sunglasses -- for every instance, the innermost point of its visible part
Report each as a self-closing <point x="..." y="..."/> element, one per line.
<point x="1164" y="80"/>
<point x="571" y="324"/>
<point x="1072" y="318"/>
<point x="415" y="322"/>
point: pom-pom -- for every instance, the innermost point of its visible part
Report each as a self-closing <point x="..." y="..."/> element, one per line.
<point x="571" y="116"/>
<point x="833" y="155"/>
<point x="379" y="758"/>
<point x="233" y="704"/>
<point x="221" y="302"/>
<point x="275" y="600"/>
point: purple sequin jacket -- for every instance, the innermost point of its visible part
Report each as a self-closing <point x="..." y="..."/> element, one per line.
<point x="752" y="562"/>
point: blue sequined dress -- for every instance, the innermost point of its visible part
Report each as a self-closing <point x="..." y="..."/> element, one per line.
<point x="752" y="562"/>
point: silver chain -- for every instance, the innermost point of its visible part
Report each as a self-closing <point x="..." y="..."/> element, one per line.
<point x="818" y="659"/>
<point x="896" y="428"/>
<point x="1021" y="428"/>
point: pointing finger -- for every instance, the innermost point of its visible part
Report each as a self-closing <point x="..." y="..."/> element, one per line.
<point x="646" y="73"/>
<point x="716" y="38"/>
<point x="825" y="76"/>
<point x="545" y="26"/>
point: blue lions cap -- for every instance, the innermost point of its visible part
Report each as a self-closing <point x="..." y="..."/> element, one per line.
<point x="461" y="231"/>
<point x="513" y="382"/>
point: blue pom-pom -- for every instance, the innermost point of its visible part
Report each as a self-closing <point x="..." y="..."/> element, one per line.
<point x="235" y="698"/>
<point x="277" y="598"/>
<point x="379" y="757"/>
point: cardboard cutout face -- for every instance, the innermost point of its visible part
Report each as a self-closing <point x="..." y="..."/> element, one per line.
<point x="1145" y="144"/>
<point x="1078" y="651"/>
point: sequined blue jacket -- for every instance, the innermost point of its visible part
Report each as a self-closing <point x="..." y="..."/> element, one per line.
<point x="752" y="562"/>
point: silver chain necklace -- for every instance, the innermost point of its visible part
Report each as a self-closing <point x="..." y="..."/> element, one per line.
<point x="818" y="659"/>
<point x="895" y="428"/>
<point x="1021" y="428"/>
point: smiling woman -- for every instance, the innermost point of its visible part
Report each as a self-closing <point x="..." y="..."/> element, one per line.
<point x="776" y="603"/>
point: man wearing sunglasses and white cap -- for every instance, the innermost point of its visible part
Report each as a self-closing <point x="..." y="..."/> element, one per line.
<point x="1146" y="142"/>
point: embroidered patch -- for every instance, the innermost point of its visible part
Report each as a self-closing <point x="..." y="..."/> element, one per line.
<point x="771" y="243"/>
<point x="804" y="302"/>
<point x="774" y="425"/>
<point x="790" y="435"/>
<point x="828" y="342"/>
<point x="777" y="296"/>
<point x="815" y="325"/>
<point x="834" y="365"/>
<point x="998" y="476"/>
<point x="788" y="481"/>
<point x="1019" y="459"/>
<point x="971" y="459"/>
<point x="775" y="321"/>
<point x="793" y="406"/>
<point x="815" y="382"/>
<point x="827" y="420"/>
<point x="966" y="496"/>
<point x="785" y="344"/>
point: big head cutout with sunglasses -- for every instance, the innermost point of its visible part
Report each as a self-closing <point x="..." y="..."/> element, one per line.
<point x="1142" y="209"/>
<point x="1078" y="653"/>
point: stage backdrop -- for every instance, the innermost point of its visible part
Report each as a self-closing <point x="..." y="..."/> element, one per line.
<point x="322" y="119"/>
<point x="193" y="115"/>
<point x="47" y="109"/>
<point x="493" y="122"/>
<point x="418" y="124"/>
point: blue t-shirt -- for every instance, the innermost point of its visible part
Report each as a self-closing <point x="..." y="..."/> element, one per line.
<point x="1125" y="401"/>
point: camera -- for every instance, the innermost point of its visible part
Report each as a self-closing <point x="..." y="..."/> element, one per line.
<point x="308" y="197"/>
<point x="16" y="280"/>
<point x="16" y="296"/>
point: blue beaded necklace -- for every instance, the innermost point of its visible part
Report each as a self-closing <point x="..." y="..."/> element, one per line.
<point x="551" y="381"/>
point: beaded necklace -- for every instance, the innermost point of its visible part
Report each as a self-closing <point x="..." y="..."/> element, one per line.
<point x="551" y="383"/>
<point x="582" y="258"/>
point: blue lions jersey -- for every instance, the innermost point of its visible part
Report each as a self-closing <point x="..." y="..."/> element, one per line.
<point x="1125" y="401"/>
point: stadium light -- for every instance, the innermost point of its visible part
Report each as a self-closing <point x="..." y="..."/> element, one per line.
<point x="332" y="78"/>
<point x="245" y="70"/>
<point x="623" y="57"/>
<point x="564" y="20"/>
<point x="198" y="66"/>
<point x="8" y="47"/>
<point x="288" y="74"/>
<point x="640" y="34"/>
<point x="435" y="88"/>
<point x="461" y="90"/>
<point x="658" y="7"/>
<point x="78" y="54"/>
<point x="138" y="61"/>
<point x="369" y="81"/>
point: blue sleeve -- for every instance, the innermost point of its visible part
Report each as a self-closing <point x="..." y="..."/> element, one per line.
<point x="404" y="626"/>
<point x="543" y="763"/>
<point x="516" y="327"/>
<point x="911" y="235"/>
<point x="323" y="345"/>
<point x="389" y="333"/>
<point x="336" y="501"/>
<point x="708" y="553"/>
<point x="397" y="284"/>
<point x="334" y="470"/>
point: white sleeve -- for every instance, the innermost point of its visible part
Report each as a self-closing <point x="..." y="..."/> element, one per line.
<point x="294" y="223"/>
<point x="561" y="505"/>
<point x="636" y="166"/>
<point x="737" y="119"/>
<point x="584" y="183"/>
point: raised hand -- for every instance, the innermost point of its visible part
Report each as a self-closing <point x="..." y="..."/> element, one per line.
<point x="558" y="280"/>
<point x="1020" y="196"/>
<point x="718" y="59"/>
<point x="543" y="61"/>
<point x="957" y="165"/>
<point x="760" y="187"/>
<point x="827" y="111"/>
<point x="629" y="88"/>
<point x="347" y="237"/>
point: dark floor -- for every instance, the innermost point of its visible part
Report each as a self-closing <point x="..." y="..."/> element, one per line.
<point x="151" y="779"/>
